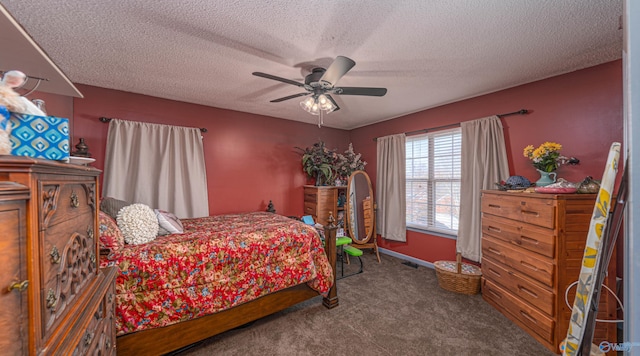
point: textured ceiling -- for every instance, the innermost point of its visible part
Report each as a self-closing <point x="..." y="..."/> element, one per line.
<point x="427" y="53"/>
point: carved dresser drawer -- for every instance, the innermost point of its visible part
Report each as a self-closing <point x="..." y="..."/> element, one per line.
<point x="68" y="265"/>
<point x="532" y="246"/>
<point x="99" y="337"/>
<point x="61" y="201"/>
<point x="68" y="260"/>
<point x="68" y="294"/>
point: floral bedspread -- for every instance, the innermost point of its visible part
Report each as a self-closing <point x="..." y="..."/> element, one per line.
<point x="218" y="263"/>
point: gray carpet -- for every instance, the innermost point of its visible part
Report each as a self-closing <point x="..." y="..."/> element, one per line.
<point x="390" y="309"/>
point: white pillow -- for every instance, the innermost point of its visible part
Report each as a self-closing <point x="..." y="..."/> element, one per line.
<point x="138" y="224"/>
<point x="168" y="222"/>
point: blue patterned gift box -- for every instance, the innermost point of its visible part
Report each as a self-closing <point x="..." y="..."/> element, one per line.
<point x="4" y="117"/>
<point x="40" y="136"/>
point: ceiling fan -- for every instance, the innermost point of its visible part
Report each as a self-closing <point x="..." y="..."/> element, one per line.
<point x="320" y="84"/>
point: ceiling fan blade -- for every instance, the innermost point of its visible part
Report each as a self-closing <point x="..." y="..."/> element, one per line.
<point x="360" y="91"/>
<point x="332" y="102"/>
<point x="284" y="80"/>
<point x="340" y="66"/>
<point x="288" y="97"/>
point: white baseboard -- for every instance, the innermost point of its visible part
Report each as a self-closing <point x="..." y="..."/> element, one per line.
<point x="406" y="258"/>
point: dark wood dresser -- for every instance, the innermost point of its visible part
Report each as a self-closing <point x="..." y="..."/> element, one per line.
<point x="532" y="248"/>
<point x="59" y="301"/>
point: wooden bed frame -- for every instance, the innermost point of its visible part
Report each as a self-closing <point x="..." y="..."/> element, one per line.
<point x="162" y="340"/>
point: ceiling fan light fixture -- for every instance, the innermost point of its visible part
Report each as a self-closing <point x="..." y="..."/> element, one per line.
<point x="307" y="103"/>
<point x="320" y="84"/>
<point x="310" y="105"/>
<point x="315" y="109"/>
<point x="325" y="104"/>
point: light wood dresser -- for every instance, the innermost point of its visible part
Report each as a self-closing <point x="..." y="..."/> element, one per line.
<point x="60" y="301"/>
<point x="319" y="201"/>
<point x="532" y="248"/>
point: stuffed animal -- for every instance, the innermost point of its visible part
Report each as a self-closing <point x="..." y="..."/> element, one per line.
<point x="10" y="98"/>
<point x="11" y="101"/>
<point x="5" y="130"/>
<point x="11" y="81"/>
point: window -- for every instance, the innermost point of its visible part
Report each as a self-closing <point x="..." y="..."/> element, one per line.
<point x="433" y="181"/>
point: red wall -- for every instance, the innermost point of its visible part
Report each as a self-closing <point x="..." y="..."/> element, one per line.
<point x="581" y="110"/>
<point x="57" y="105"/>
<point x="250" y="158"/>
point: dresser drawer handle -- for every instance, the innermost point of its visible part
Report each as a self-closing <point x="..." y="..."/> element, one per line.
<point x="74" y="200"/>
<point x="55" y="255"/>
<point x="87" y="339"/>
<point x="99" y="315"/>
<point x="530" y="240"/>
<point x="19" y="286"/>
<point x="531" y="293"/>
<point x="494" y="229"/>
<point x="495" y="272"/>
<point x="493" y="250"/>
<point x="529" y="266"/>
<point x="532" y="213"/>
<point x="493" y="206"/>
<point x="527" y="316"/>
<point x="51" y="299"/>
<point x="496" y="295"/>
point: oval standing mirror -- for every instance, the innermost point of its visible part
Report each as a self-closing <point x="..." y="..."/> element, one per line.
<point x="360" y="212"/>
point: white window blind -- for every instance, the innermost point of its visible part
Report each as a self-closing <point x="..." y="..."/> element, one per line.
<point x="433" y="181"/>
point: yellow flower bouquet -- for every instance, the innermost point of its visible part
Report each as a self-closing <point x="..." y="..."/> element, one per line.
<point x="546" y="157"/>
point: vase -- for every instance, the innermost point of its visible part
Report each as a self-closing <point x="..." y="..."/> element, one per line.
<point x="319" y="181"/>
<point x="546" y="178"/>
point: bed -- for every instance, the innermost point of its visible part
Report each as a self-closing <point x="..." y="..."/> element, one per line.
<point x="222" y="272"/>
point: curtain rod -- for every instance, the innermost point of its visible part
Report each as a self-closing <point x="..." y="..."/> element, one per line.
<point x="107" y="119"/>
<point x="519" y="112"/>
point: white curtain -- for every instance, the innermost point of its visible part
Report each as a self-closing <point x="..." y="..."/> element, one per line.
<point x="390" y="187"/>
<point x="158" y="165"/>
<point x="484" y="163"/>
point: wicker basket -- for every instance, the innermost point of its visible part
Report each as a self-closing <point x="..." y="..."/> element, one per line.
<point x="457" y="276"/>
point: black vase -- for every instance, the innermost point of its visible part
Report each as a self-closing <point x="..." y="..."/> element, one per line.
<point x="319" y="180"/>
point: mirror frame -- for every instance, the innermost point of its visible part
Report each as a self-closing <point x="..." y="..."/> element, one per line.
<point x="347" y="208"/>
